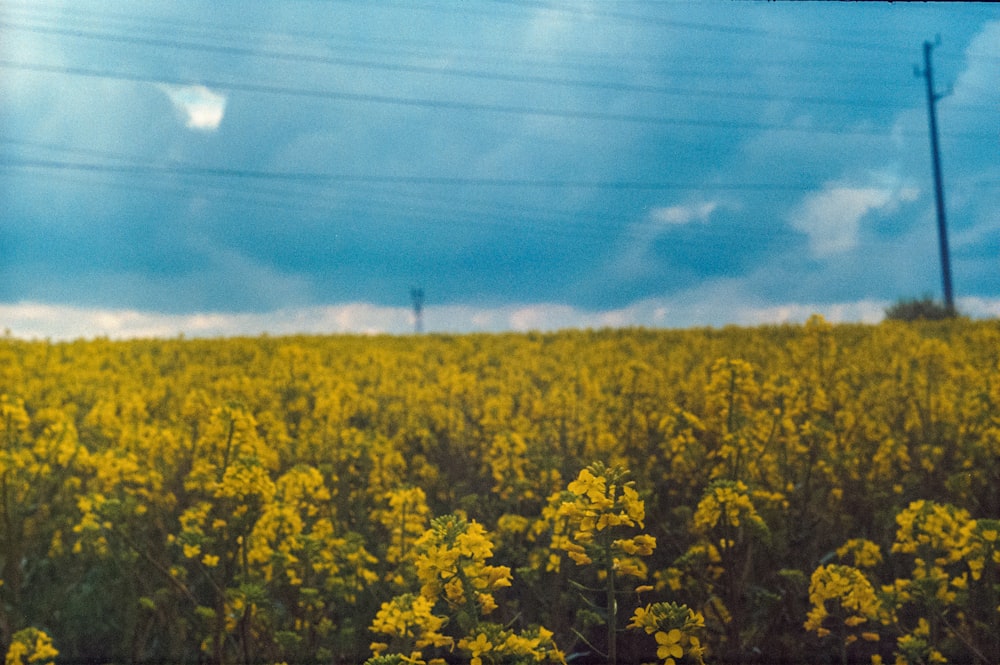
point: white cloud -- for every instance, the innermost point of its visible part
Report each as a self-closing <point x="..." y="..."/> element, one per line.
<point x="201" y="108"/>
<point x="684" y="214"/>
<point x="634" y="260"/>
<point x="977" y="83"/>
<point x="716" y="304"/>
<point x="832" y="218"/>
<point x="31" y="320"/>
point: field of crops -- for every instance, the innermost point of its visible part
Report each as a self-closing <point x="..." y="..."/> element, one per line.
<point x="812" y="493"/>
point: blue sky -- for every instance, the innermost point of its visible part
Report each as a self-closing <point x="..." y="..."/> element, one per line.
<point x="237" y="167"/>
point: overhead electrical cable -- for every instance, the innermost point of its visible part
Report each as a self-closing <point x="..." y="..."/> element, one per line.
<point x="447" y="104"/>
<point x="491" y="52"/>
<point x="659" y="21"/>
<point x="349" y="216"/>
<point x="293" y="176"/>
<point x="448" y="71"/>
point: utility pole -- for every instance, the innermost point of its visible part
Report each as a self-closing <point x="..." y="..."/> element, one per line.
<point x="418" y="310"/>
<point x="932" y="98"/>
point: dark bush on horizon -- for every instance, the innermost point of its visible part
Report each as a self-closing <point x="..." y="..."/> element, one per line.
<point x="919" y="309"/>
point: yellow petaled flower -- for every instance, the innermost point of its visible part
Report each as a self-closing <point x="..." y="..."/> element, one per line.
<point x="634" y="506"/>
<point x="31" y="646"/>
<point x="865" y="553"/>
<point x="192" y="551"/>
<point x="641" y="545"/>
<point x="454" y="591"/>
<point x="644" y="619"/>
<point x="630" y="566"/>
<point x="668" y="647"/>
<point x="486" y="602"/>
<point x="845" y="586"/>
<point x="589" y="485"/>
<point x="477" y="647"/>
<point x="210" y="560"/>
<point x="726" y="502"/>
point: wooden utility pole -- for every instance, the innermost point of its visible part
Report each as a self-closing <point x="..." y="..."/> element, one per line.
<point x="932" y="98"/>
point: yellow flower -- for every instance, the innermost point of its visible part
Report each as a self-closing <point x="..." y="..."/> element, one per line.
<point x="641" y="545"/>
<point x="16" y="653"/>
<point x="589" y="485"/>
<point x="865" y="553"/>
<point x="630" y="566"/>
<point x="634" y="506"/>
<point x="31" y="646"/>
<point x="210" y="560"/>
<point x="486" y="602"/>
<point x="644" y="619"/>
<point x="454" y="591"/>
<point x="668" y="646"/>
<point x="478" y="647"/>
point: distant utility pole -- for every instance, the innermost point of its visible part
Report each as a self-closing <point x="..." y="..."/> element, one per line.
<point x="418" y="309"/>
<point x="932" y="98"/>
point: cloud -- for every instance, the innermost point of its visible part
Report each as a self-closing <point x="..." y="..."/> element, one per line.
<point x="635" y="258"/>
<point x="202" y="109"/>
<point x="32" y="320"/>
<point x="832" y="218"/>
<point x="684" y="214"/>
<point x="719" y="303"/>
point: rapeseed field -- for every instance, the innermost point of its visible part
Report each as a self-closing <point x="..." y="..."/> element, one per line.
<point x="804" y="493"/>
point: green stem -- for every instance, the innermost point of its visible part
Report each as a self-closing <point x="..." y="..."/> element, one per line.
<point x="612" y="605"/>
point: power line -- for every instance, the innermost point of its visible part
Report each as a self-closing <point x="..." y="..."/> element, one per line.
<point x="659" y="21"/>
<point x="444" y="104"/>
<point x="446" y="71"/>
<point x="304" y="176"/>
<point x="378" y="204"/>
<point x="581" y="230"/>
<point x="631" y="18"/>
<point x="489" y="53"/>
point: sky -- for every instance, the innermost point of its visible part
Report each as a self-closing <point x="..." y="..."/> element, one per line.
<point x="240" y="167"/>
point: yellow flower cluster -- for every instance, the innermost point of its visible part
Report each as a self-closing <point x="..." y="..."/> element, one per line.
<point x="405" y="516"/>
<point x="676" y="629"/>
<point x="31" y="646"/>
<point x="410" y="621"/>
<point x="493" y="644"/>
<point x="727" y="503"/>
<point x="267" y="495"/>
<point x="595" y="507"/>
<point x="861" y="553"/>
<point x="845" y="595"/>
<point x="951" y="554"/>
<point x="916" y="648"/>
<point x="451" y="561"/>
